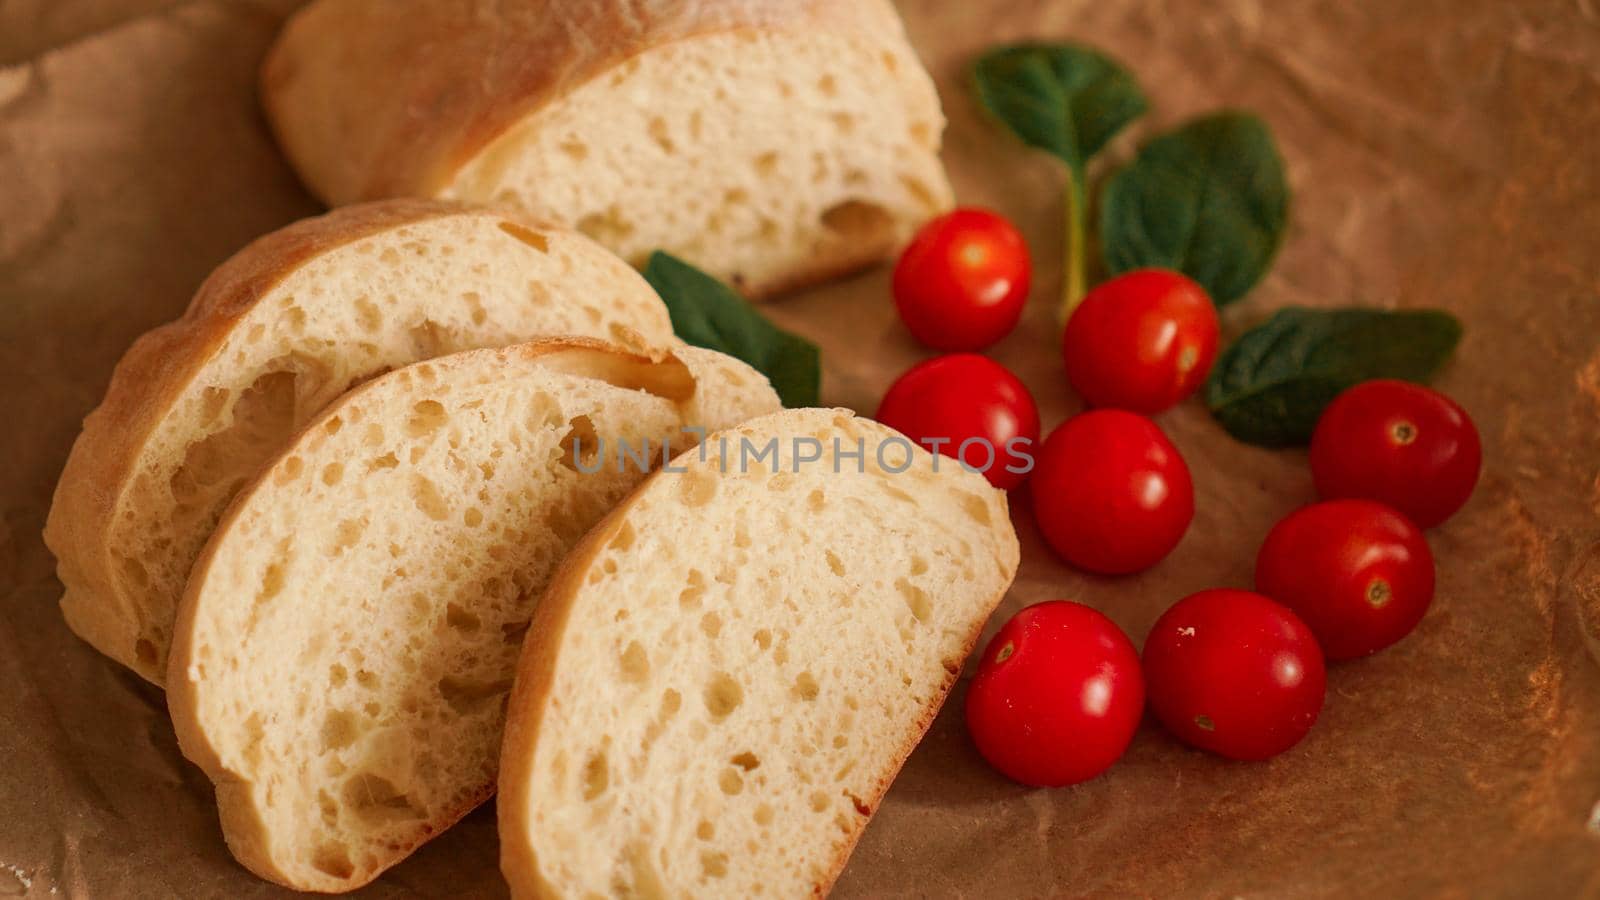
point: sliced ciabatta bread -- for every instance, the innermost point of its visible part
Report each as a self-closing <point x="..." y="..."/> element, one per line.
<point x="724" y="677"/>
<point x="344" y="649"/>
<point x="289" y="323"/>
<point x="770" y="142"/>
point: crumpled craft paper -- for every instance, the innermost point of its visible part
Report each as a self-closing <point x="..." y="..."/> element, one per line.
<point x="1443" y="153"/>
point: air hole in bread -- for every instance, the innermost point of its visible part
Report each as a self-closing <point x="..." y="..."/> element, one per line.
<point x="329" y="808"/>
<point x="339" y="730"/>
<point x="715" y="865"/>
<point x="295" y="318"/>
<point x="835" y="564"/>
<point x="819" y="801"/>
<point x="473" y="517"/>
<point x="767" y="163"/>
<point x="828" y="86"/>
<point x="386" y="461"/>
<point x="741" y="535"/>
<point x="368" y="316"/>
<point x="723" y="695"/>
<point x="844" y="122"/>
<point x="916" y="599"/>
<point x="731" y="782"/>
<point x="527" y="235"/>
<point x="816" y="500"/>
<point x="635" y="663"/>
<point x="346" y="534"/>
<point x="427" y="498"/>
<point x="475" y="308"/>
<point x="975" y="507"/>
<point x="332" y="859"/>
<point x="467" y="695"/>
<point x="337" y="675"/>
<point x="426" y="417"/>
<point x="577" y="149"/>
<point x="429" y="339"/>
<point x="596" y="775"/>
<point x="895" y="492"/>
<point x="271" y="582"/>
<point x="659" y="133"/>
<point x="461" y="619"/>
<point x="133" y="570"/>
<point x="609" y="227"/>
<point x="332" y="473"/>
<point x="764" y="638"/>
<point x="746" y="760"/>
<point x="920" y="191"/>
<point x="806" y="687"/>
<point x="711" y="624"/>
<point x="697" y="488"/>
<point x="145" y="651"/>
<point x="705" y="831"/>
<point x="580" y="445"/>
<point x="764" y="814"/>
<point x="694" y="589"/>
<point x="375" y="798"/>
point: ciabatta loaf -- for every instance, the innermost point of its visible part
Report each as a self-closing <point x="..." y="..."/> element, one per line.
<point x="289" y="323"/>
<point x="770" y="142"/>
<point x="727" y="673"/>
<point x="344" y="649"/>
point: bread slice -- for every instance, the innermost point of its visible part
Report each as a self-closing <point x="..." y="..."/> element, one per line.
<point x="289" y="323"/>
<point x="770" y="142"/>
<point x="724" y="677"/>
<point x="344" y="649"/>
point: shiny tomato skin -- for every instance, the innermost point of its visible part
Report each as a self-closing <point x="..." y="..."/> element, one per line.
<point x="1142" y="341"/>
<point x="962" y="396"/>
<point x="1357" y="572"/>
<point x="1398" y="443"/>
<point x="1057" y="697"/>
<point x="962" y="281"/>
<point x="1234" y="673"/>
<point x="1110" y="493"/>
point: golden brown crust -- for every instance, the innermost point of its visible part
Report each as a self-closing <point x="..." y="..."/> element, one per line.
<point x="370" y="104"/>
<point x="144" y="386"/>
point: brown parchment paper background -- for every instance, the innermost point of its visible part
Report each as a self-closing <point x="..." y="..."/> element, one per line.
<point x="1442" y="152"/>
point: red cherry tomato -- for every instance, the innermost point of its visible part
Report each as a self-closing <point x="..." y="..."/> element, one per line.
<point x="961" y="283"/>
<point x="1142" y="341"/>
<point x="1398" y="443"/>
<point x="1057" y="696"/>
<point x="1111" y="493"/>
<point x="1357" y="572"/>
<point x="1234" y="673"/>
<point x="969" y="405"/>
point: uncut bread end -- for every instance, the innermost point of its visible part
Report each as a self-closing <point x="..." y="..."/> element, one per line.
<point x="343" y="651"/>
<point x="196" y="407"/>
<point x="723" y="679"/>
<point x="773" y="143"/>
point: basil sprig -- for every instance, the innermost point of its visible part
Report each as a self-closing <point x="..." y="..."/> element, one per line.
<point x="1271" y="386"/>
<point x="1209" y="200"/>
<point x="707" y="313"/>
<point x="1070" y="101"/>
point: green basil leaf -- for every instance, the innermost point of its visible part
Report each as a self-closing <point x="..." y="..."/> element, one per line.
<point x="1270" y="387"/>
<point x="1209" y="200"/>
<point x="1063" y="98"/>
<point x="707" y="313"/>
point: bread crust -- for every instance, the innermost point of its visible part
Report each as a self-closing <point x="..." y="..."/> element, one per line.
<point x="663" y="372"/>
<point x="536" y="677"/>
<point x="370" y="104"/>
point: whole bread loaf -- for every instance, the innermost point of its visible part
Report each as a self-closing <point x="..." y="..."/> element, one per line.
<point x="292" y="321"/>
<point x="727" y="673"/>
<point x="344" y="649"/>
<point x="771" y="142"/>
